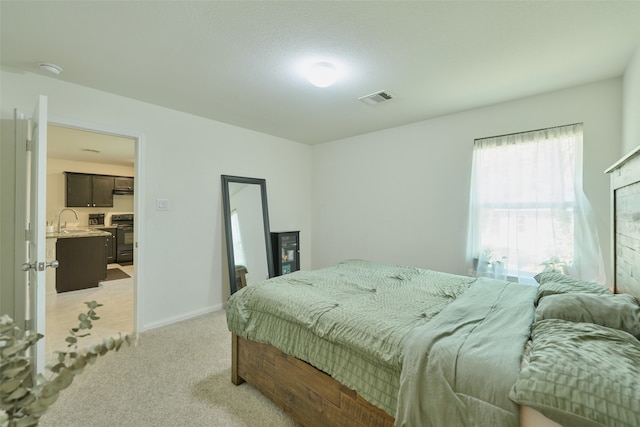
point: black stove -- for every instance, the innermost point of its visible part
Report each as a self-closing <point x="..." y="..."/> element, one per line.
<point x="124" y="237"/>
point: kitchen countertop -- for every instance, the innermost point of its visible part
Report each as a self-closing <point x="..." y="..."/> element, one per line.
<point x="67" y="233"/>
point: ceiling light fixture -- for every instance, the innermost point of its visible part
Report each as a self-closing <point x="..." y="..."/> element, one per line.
<point x="322" y="74"/>
<point x="51" y="68"/>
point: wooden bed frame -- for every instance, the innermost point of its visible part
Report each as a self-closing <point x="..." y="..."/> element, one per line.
<point x="306" y="394"/>
<point x="313" y="398"/>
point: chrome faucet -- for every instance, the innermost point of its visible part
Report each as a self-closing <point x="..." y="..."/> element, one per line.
<point x="60" y="214"/>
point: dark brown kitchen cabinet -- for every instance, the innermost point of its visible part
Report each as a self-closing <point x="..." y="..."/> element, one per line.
<point x="111" y="244"/>
<point x="88" y="190"/>
<point x="82" y="263"/>
<point x="286" y="252"/>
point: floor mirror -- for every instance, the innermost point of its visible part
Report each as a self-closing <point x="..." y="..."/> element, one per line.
<point x="246" y="220"/>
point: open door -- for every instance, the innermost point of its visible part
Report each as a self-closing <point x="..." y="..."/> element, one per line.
<point x="31" y="151"/>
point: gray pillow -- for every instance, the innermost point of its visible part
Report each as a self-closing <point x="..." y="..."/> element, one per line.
<point x="613" y="311"/>
<point x="581" y="374"/>
<point x="552" y="283"/>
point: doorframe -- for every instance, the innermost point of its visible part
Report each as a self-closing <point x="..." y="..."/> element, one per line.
<point x="138" y="196"/>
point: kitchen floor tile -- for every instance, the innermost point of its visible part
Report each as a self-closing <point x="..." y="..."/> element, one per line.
<point x="116" y="314"/>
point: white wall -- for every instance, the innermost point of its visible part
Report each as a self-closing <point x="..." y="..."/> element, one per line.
<point x="631" y="102"/>
<point x="401" y="195"/>
<point x="183" y="272"/>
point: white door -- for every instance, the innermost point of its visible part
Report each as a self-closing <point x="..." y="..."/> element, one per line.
<point x="33" y="197"/>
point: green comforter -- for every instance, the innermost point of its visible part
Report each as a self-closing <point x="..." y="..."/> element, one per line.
<point x="459" y="368"/>
<point x="349" y="320"/>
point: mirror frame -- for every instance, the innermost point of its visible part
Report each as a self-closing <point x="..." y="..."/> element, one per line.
<point x="226" y="180"/>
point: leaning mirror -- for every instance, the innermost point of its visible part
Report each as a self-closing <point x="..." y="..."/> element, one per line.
<point x="246" y="220"/>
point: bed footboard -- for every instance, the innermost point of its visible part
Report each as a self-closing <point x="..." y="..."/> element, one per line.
<point x="309" y="396"/>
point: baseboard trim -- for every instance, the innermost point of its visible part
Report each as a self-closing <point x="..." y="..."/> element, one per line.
<point x="181" y="318"/>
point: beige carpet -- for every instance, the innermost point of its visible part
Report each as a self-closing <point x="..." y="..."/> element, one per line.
<point x="178" y="375"/>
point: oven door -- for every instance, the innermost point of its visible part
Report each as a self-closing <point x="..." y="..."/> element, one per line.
<point x="124" y="243"/>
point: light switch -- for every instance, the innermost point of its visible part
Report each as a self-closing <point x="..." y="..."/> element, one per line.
<point x="162" y="204"/>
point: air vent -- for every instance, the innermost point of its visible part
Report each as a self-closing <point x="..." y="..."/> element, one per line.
<point x="376" y="97"/>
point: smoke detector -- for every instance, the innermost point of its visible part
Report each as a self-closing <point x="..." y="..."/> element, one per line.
<point x="376" y="97"/>
<point x="51" y="68"/>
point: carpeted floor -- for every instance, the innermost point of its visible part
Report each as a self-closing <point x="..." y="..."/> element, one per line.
<point x="115" y="274"/>
<point x="178" y="375"/>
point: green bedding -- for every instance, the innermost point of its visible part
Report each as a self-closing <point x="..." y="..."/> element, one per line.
<point x="350" y="320"/>
<point x="582" y="375"/>
<point x="458" y="370"/>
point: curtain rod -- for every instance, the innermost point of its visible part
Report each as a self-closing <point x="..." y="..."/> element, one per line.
<point x="528" y="131"/>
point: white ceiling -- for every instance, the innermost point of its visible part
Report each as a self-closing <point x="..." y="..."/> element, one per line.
<point x="83" y="146"/>
<point x="239" y="61"/>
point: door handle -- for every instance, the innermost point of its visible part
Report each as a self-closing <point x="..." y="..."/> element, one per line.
<point x="26" y="266"/>
<point x="40" y="266"/>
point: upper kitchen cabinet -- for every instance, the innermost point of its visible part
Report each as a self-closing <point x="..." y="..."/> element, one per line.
<point x="87" y="190"/>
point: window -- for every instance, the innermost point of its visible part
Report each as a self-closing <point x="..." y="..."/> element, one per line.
<point x="528" y="212"/>
<point x="238" y="248"/>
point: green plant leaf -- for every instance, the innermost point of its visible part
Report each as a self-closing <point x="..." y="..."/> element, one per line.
<point x="13" y="370"/>
<point x="10" y="386"/>
<point x="18" y="393"/>
<point x="40" y="406"/>
<point x="71" y="340"/>
<point x="109" y="343"/>
<point x="85" y="324"/>
<point x="63" y="380"/>
<point x="57" y="367"/>
<point x="17" y="347"/>
<point x="28" y="421"/>
<point x="93" y="305"/>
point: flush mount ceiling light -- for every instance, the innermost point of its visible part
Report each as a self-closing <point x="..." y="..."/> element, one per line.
<point x="322" y="74"/>
<point x="51" y="68"/>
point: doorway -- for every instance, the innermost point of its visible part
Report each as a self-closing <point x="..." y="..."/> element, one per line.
<point x="98" y="152"/>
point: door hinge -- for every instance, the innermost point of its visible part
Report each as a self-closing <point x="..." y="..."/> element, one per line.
<point x="28" y="324"/>
<point x="29" y="145"/>
<point x="27" y="235"/>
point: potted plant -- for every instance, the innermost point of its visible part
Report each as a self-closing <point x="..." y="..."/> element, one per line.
<point x="22" y="403"/>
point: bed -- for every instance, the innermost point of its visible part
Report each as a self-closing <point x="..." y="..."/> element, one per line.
<point x="371" y="344"/>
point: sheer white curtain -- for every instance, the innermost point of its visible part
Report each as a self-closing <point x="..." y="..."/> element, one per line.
<point x="528" y="212"/>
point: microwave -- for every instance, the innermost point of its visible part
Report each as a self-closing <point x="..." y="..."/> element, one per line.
<point x="123" y="185"/>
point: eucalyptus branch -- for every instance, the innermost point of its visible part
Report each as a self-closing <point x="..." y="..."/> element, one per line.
<point x="22" y="404"/>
